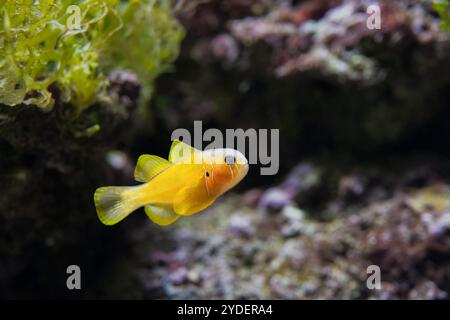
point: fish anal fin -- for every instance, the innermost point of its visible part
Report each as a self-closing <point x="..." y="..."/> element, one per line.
<point x="148" y="166"/>
<point x="161" y="215"/>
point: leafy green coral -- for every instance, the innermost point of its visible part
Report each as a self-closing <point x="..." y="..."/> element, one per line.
<point x="43" y="45"/>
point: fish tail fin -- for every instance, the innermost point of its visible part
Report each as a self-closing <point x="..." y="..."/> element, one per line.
<point x="113" y="204"/>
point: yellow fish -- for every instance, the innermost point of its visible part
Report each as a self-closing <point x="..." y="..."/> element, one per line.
<point x="190" y="181"/>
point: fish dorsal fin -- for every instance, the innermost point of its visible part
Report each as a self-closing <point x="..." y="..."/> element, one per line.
<point x="148" y="166"/>
<point x="161" y="215"/>
<point x="180" y="151"/>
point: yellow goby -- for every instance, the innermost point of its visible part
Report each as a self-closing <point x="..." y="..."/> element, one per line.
<point x="185" y="184"/>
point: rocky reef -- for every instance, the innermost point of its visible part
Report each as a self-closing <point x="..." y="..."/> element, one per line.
<point x="361" y="107"/>
<point x="314" y="69"/>
<point x="274" y="247"/>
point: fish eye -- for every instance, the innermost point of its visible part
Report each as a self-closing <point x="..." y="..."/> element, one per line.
<point x="207" y="173"/>
<point x="230" y="159"/>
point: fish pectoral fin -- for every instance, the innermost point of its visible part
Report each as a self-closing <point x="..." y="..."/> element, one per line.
<point x="187" y="203"/>
<point x="180" y="151"/>
<point x="148" y="166"/>
<point x="161" y="215"/>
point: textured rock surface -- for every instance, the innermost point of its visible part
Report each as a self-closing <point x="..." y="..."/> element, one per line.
<point x="240" y="252"/>
<point x="314" y="69"/>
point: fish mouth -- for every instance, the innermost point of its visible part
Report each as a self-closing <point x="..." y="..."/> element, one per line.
<point x="242" y="165"/>
<point x="238" y="171"/>
<point x="245" y="170"/>
<point x="242" y="169"/>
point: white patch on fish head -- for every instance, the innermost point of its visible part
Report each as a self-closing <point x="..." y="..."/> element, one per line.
<point x="236" y="162"/>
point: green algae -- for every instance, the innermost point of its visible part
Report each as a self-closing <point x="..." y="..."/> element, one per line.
<point x="43" y="50"/>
